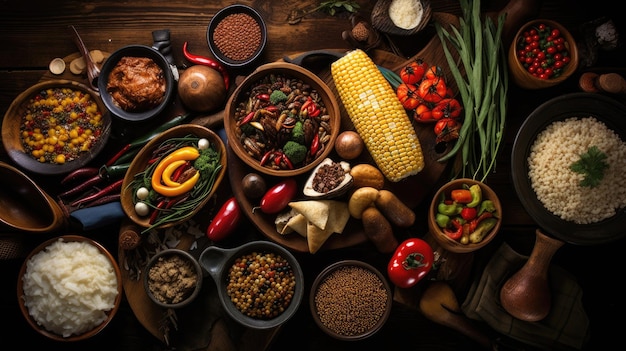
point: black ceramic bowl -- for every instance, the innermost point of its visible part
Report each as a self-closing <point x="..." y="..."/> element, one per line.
<point x="604" y="109"/>
<point x="217" y="263"/>
<point x="135" y="51"/>
<point x="231" y="37"/>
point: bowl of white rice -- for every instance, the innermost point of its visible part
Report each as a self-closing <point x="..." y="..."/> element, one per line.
<point x="568" y="164"/>
<point x="69" y="288"/>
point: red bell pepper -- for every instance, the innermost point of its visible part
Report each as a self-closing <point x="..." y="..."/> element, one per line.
<point x="411" y="261"/>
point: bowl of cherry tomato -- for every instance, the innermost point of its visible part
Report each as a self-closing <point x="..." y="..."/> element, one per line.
<point x="543" y="54"/>
<point x="464" y="215"/>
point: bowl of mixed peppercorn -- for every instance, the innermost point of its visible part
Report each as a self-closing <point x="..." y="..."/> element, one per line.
<point x="282" y="120"/>
<point x="543" y="54"/>
<point x="260" y="283"/>
<point x="464" y="215"/>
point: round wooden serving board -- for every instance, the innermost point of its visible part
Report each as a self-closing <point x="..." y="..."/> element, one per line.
<point x="411" y="190"/>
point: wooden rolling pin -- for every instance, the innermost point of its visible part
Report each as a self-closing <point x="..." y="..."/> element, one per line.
<point x="612" y="83"/>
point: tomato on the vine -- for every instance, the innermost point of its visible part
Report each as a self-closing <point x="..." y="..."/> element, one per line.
<point x="447" y="108"/>
<point x="447" y="129"/>
<point x="413" y="72"/>
<point x="433" y="72"/>
<point x="423" y="113"/>
<point x="407" y="94"/>
<point x="432" y="90"/>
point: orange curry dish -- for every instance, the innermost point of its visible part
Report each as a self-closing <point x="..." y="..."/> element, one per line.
<point x="136" y="84"/>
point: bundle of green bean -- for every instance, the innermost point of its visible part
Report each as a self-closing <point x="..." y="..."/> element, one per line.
<point x="483" y="89"/>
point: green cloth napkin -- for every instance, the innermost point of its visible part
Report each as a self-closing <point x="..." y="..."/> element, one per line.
<point x="566" y="327"/>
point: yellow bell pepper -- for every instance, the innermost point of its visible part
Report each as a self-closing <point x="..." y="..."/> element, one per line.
<point x="171" y="188"/>
<point x="169" y="170"/>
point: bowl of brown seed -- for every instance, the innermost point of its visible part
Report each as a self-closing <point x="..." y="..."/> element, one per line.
<point x="332" y="296"/>
<point x="172" y="278"/>
<point x="237" y="35"/>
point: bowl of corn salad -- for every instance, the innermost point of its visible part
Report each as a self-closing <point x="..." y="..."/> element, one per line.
<point x="55" y="127"/>
<point x="260" y="283"/>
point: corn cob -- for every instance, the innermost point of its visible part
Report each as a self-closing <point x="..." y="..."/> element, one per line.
<point x="378" y="116"/>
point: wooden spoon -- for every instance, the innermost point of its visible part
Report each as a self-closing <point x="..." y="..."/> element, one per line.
<point x="439" y="304"/>
<point x="92" y="70"/>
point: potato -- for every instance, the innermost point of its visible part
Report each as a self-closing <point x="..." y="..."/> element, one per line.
<point x="378" y="230"/>
<point x="394" y="209"/>
<point x="364" y="174"/>
<point x="361" y="199"/>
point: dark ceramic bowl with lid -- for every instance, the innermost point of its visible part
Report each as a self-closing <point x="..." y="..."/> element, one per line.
<point x="237" y="35"/>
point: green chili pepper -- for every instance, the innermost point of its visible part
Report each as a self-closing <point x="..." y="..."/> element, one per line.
<point x="442" y="220"/>
<point x="482" y="229"/>
<point x="477" y="195"/>
<point x="486" y="206"/>
<point x="449" y="210"/>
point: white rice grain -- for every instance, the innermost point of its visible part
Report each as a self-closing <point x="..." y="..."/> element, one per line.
<point x="557" y="186"/>
<point x="69" y="287"/>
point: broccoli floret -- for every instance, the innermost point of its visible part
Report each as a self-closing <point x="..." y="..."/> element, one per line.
<point x="247" y="129"/>
<point x="297" y="132"/>
<point x="296" y="152"/>
<point x="207" y="162"/>
<point x="277" y="96"/>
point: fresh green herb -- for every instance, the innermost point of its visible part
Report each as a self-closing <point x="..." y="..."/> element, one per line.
<point x="329" y="7"/>
<point x="483" y="89"/>
<point x="592" y="165"/>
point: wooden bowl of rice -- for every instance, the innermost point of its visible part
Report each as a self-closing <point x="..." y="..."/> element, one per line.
<point x="69" y="288"/>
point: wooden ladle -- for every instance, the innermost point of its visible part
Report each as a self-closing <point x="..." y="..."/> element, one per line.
<point x="526" y="294"/>
<point x="92" y="70"/>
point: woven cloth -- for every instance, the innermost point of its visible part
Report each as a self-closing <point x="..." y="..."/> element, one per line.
<point x="565" y="328"/>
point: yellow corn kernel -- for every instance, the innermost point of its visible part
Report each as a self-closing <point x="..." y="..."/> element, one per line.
<point x="378" y="116"/>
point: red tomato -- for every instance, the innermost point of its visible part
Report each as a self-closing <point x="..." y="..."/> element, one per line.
<point x="447" y="108"/>
<point x="413" y="72"/>
<point x="278" y="197"/>
<point x="225" y="221"/>
<point x="433" y="72"/>
<point x="447" y="129"/>
<point x="411" y="261"/>
<point x="432" y="90"/>
<point x="407" y="94"/>
<point x="423" y="113"/>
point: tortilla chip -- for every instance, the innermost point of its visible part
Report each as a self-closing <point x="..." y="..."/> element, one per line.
<point x="315" y="211"/>
<point x="338" y="216"/>
<point x="316" y="237"/>
<point x="297" y="223"/>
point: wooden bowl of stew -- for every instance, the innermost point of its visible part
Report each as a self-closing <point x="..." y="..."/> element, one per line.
<point x="280" y="104"/>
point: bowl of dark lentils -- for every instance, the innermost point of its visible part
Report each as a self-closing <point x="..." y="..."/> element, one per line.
<point x="260" y="283"/>
<point x="332" y="300"/>
<point x="237" y="35"/>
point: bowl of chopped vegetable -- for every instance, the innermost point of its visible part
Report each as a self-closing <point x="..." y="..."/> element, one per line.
<point x="464" y="215"/>
<point x="173" y="176"/>
<point x="282" y="120"/>
<point x="543" y="54"/>
<point x="55" y="127"/>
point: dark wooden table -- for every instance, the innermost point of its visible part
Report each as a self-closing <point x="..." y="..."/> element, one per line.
<point x="34" y="34"/>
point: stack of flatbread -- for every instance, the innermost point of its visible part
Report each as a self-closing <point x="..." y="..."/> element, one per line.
<point x="315" y="220"/>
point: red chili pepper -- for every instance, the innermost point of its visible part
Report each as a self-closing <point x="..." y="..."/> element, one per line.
<point x="248" y="118"/>
<point x="225" y="221"/>
<point x="115" y="186"/>
<point x="315" y="144"/>
<point x="180" y="170"/>
<point x="287" y="161"/>
<point x="155" y="213"/>
<point x="79" y="174"/>
<point x="82" y="187"/>
<point x="266" y="157"/>
<point x="457" y="232"/>
<point x="201" y="60"/>
<point x="278" y="196"/>
<point x="411" y="261"/>
<point x="263" y="97"/>
<point x="103" y="200"/>
<point x="118" y="155"/>
<point x="271" y="108"/>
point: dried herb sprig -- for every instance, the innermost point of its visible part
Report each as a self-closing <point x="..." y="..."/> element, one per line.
<point x="329" y="7"/>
